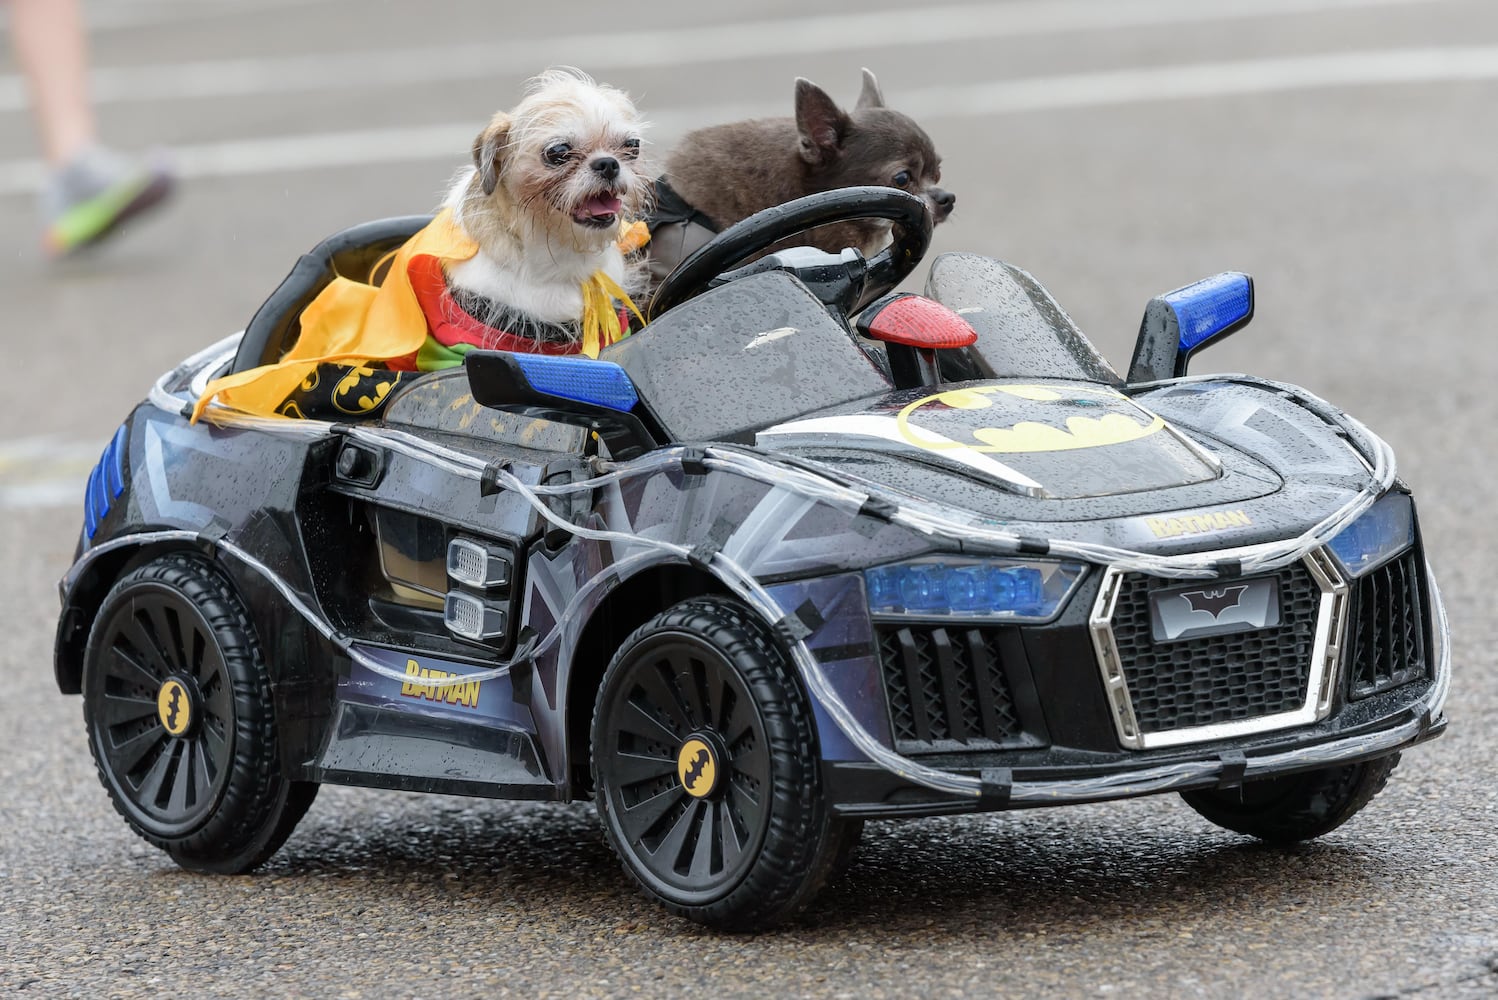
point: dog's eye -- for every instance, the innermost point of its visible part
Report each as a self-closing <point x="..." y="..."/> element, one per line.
<point x="556" y="154"/>
<point x="902" y="178"/>
<point x="631" y="148"/>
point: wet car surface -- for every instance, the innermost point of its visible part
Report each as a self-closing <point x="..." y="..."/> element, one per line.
<point x="1095" y="899"/>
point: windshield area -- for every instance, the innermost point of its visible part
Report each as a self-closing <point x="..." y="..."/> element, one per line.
<point x="751" y="353"/>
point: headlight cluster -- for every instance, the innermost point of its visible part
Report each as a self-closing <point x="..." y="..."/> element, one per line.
<point x="1010" y="589"/>
<point x="1385" y="530"/>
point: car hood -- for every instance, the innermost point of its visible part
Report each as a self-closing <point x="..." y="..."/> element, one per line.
<point x="1052" y="440"/>
<point x="1087" y="461"/>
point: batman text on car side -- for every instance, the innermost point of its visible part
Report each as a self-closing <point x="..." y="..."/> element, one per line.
<point x="797" y="554"/>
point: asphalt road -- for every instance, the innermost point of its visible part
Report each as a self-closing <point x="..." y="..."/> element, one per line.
<point x="1345" y="152"/>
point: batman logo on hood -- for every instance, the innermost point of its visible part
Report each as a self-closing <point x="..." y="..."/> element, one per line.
<point x="1026" y="418"/>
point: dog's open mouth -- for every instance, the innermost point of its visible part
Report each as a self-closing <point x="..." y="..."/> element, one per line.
<point x="597" y="212"/>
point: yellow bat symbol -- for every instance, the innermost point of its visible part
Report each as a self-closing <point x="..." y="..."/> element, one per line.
<point x="1119" y="421"/>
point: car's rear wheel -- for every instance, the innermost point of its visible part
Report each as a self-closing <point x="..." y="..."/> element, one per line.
<point x="1297" y="806"/>
<point x="177" y="702"/>
<point x="706" y="770"/>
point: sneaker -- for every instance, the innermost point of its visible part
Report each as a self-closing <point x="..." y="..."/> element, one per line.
<point x="88" y="199"/>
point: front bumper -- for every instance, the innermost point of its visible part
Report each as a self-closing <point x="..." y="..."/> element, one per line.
<point x="1059" y="778"/>
<point x="1066" y="747"/>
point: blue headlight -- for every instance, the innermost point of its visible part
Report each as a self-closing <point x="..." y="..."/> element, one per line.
<point x="601" y="383"/>
<point x="1385" y="530"/>
<point x="1029" y="590"/>
<point x="923" y="588"/>
<point x="1209" y="306"/>
<point x="967" y="588"/>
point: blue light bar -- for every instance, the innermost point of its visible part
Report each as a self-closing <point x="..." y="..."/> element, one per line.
<point x="113" y="463"/>
<point x="1021" y="590"/>
<point x="105" y="483"/>
<point x="95" y="506"/>
<point x="1206" y="308"/>
<point x="1385" y="530"/>
<point x="584" y="380"/>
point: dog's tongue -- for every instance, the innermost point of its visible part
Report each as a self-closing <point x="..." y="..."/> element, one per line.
<point x="603" y="204"/>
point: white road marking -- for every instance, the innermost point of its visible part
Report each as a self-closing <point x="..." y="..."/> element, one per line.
<point x="1220" y="79"/>
<point x="143" y="13"/>
<point x="368" y="147"/>
<point x="702" y="45"/>
<point x="47" y="471"/>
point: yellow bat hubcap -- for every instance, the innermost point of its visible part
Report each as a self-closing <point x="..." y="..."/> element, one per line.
<point x="174" y="708"/>
<point x="697" y="768"/>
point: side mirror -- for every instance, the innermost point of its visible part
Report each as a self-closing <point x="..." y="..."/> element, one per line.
<point x="913" y="328"/>
<point x="1178" y="323"/>
<point x="570" y="389"/>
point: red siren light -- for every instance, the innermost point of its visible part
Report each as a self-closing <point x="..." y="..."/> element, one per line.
<point x="916" y="321"/>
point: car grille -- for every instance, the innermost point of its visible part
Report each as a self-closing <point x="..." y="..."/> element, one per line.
<point x="1221" y="678"/>
<point x="946" y="687"/>
<point x="1388" y="634"/>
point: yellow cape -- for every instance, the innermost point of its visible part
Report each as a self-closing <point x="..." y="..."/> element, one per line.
<point x="352" y="320"/>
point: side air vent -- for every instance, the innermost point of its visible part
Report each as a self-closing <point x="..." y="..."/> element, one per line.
<point x="947" y="688"/>
<point x="1388" y="640"/>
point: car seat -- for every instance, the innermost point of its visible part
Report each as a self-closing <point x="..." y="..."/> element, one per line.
<point x="352" y="253"/>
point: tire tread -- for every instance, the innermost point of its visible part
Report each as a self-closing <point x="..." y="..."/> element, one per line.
<point x="804" y="843"/>
<point x="1311" y="804"/>
<point x="260" y="807"/>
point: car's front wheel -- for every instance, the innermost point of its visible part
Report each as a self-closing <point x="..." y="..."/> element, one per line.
<point x="177" y="702"/>
<point x="706" y="771"/>
<point x="1295" y="807"/>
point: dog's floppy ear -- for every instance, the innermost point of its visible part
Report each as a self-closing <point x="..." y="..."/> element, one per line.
<point x="870" y="96"/>
<point x="821" y="122"/>
<point x="488" y="148"/>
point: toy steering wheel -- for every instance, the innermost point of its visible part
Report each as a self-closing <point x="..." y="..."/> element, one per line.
<point x="912" y="235"/>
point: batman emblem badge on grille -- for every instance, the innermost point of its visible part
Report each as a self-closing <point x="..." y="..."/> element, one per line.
<point x="1214" y="609"/>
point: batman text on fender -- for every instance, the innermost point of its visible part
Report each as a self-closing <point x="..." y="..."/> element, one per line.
<point x="465" y="694"/>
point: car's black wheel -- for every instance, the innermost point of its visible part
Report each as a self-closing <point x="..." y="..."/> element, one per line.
<point x="1297" y="806"/>
<point x="178" y="707"/>
<point x="706" y="770"/>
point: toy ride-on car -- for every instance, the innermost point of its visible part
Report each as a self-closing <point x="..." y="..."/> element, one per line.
<point x="796" y="554"/>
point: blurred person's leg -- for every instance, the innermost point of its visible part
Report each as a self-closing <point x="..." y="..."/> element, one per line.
<point x="90" y="189"/>
<point x="53" y="52"/>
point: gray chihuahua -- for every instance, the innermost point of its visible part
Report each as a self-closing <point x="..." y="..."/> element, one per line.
<point x="721" y="174"/>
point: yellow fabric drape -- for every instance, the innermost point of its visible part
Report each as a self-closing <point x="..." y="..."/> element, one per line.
<point x="600" y="324"/>
<point x="352" y="320"/>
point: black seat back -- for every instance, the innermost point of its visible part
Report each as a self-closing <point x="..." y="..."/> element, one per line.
<point x="1022" y="332"/>
<point x="351" y="253"/>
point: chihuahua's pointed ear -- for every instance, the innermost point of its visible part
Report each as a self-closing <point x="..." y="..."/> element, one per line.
<point x="821" y="122"/>
<point x="488" y="149"/>
<point x="870" y="96"/>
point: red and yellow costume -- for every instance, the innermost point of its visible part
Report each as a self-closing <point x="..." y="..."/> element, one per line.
<point x="392" y="324"/>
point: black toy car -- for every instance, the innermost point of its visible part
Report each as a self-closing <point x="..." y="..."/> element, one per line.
<point x="751" y="578"/>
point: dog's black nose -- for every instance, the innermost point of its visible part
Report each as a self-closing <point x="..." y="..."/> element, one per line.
<point x="606" y="167"/>
<point x="943" y="199"/>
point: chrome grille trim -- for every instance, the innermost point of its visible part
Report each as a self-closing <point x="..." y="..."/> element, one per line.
<point x="1331" y="627"/>
<point x="1115" y="684"/>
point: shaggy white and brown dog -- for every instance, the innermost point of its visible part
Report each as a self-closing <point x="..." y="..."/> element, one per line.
<point x="554" y="182"/>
